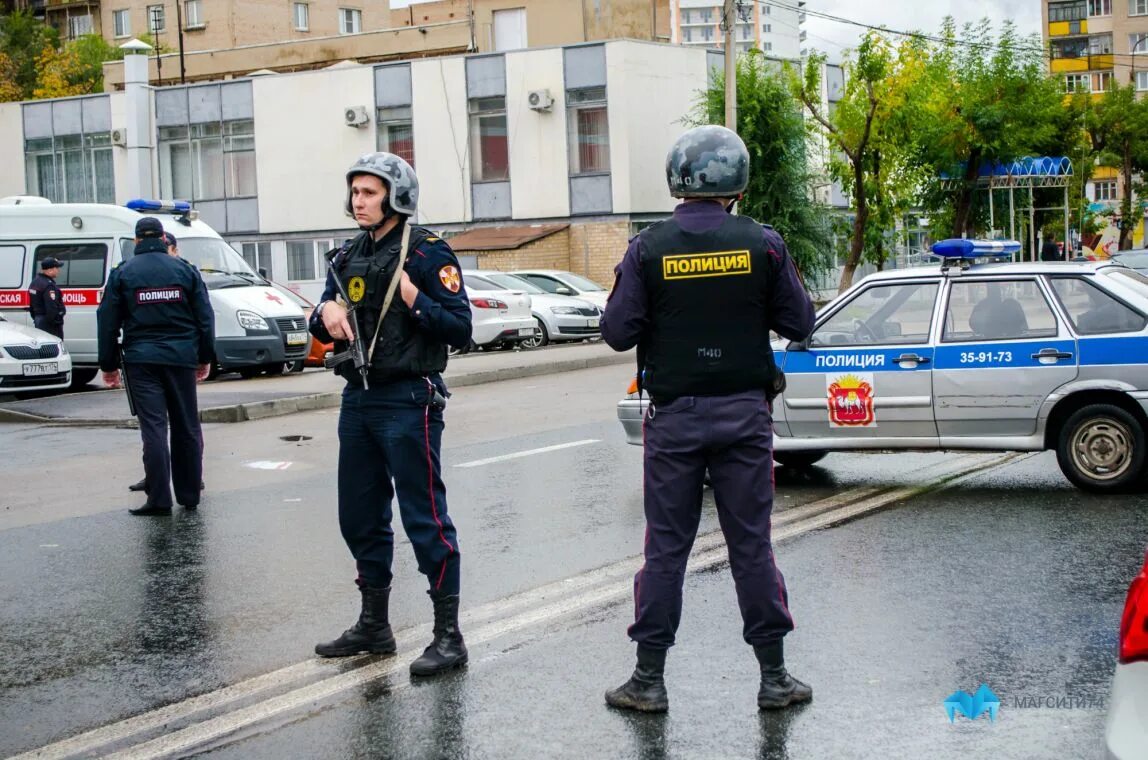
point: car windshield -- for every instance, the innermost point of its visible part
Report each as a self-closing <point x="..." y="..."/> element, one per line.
<point x="1134" y="259"/>
<point x="510" y="282"/>
<point x="581" y="283"/>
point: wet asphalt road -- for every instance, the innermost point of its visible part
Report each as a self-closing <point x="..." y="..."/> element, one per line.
<point x="1009" y="578"/>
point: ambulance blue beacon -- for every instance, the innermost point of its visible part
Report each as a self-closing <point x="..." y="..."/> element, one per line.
<point x="975" y="352"/>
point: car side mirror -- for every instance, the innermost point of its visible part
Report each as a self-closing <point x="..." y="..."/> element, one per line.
<point x="564" y="291"/>
<point x="798" y="345"/>
<point x="263" y="272"/>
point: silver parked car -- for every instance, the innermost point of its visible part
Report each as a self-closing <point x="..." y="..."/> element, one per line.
<point x="558" y="318"/>
<point x="563" y="283"/>
<point x="973" y="355"/>
<point x="1126" y="732"/>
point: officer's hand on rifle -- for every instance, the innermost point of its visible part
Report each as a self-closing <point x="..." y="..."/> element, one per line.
<point x="112" y="379"/>
<point x="335" y="320"/>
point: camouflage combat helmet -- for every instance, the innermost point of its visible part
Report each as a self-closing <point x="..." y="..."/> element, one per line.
<point x="396" y="174"/>
<point x="708" y="162"/>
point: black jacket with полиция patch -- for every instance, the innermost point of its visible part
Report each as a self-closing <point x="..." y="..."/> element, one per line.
<point x="161" y="304"/>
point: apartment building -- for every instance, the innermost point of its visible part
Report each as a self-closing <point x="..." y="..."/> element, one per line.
<point x="568" y="141"/>
<point x="1092" y="43"/>
<point x="774" y="28"/>
<point x="222" y="39"/>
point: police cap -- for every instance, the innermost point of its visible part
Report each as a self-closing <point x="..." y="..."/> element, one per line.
<point x="50" y="263"/>
<point x="149" y="227"/>
<point x="169" y="239"/>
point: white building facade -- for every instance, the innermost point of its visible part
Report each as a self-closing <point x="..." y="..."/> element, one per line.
<point x="574" y="134"/>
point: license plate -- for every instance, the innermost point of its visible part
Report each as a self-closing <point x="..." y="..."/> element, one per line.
<point x="296" y="338"/>
<point x="592" y="322"/>
<point x="48" y="368"/>
<point x="526" y="331"/>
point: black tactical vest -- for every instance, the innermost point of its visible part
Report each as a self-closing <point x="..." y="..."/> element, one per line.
<point x="401" y="350"/>
<point x="708" y="305"/>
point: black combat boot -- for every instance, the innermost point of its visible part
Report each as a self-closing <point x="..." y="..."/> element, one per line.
<point x="778" y="688"/>
<point x="448" y="650"/>
<point x="370" y="633"/>
<point x="646" y="689"/>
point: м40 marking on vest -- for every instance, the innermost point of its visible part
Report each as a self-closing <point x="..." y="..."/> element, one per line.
<point x="709" y="353"/>
<point x="718" y="264"/>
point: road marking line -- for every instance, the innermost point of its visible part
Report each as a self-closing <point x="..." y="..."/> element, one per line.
<point x="531" y="452"/>
<point x="557" y="599"/>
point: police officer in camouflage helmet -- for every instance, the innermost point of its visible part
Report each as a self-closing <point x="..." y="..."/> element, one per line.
<point x="698" y="294"/>
<point x="391" y="421"/>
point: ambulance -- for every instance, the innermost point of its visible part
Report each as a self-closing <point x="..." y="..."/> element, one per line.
<point x="256" y="329"/>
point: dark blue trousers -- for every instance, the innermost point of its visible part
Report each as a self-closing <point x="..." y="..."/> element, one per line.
<point x="389" y="441"/>
<point x="163" y="396"/>
<point x="732" y="437"/>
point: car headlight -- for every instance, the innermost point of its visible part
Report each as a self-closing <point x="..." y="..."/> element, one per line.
<point x="63" y="348"/>
<point x="563" y="310"/>
<point x="249" y="320"/>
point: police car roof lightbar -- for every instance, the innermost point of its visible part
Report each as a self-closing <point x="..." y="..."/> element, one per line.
<point x="960" y="248"/>
<point x="182" y="210"/>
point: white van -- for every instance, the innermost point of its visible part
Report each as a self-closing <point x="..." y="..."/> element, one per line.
<point x="256" y="328"/>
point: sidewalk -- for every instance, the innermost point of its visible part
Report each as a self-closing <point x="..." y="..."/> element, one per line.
<point x="232" y="399"/>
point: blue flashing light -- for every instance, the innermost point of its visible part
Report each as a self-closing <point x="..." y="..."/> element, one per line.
<point x="960" y="248"/>
<point x="144" y="205"/>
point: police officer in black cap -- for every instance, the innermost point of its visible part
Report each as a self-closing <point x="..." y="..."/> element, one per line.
<point x="161" y="304"/>
<point x="698" y="294"/>
<point x="408" y="304"/>
<point x="45" y="300"/>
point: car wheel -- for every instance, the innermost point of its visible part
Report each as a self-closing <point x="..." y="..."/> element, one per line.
<point x="249" y="372"/>
<point x="452" y="351"/>
<point x="295" y="366"/>
<point x="798" y="460"/>
<point x="539" y="338"/>
<point x="1101" y="449"/>
<point x="276" y="369"/>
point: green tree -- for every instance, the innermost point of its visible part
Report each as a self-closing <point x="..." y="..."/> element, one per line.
<point x="868" y="137"/>
<point x="989" y="100"/>
<point x="1117" y="129"/>
<point x="23" y="40"/>
<point x="780" y="191"/>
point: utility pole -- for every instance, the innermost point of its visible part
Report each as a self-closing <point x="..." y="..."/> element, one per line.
<point x="729" y="18"/>
<point x="179" y="30"/>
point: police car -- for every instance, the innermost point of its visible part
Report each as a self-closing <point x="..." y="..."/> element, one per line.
<point x="978" y="354"/>
<point x="32" y="360"/>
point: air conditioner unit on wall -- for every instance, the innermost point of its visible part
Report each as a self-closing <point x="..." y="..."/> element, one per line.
<point x="120" y="137"/>
<point x="356" y="116"/>
<point x="540" y="100"/>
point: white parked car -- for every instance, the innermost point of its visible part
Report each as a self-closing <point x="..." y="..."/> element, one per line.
<point x="566" y="284"/>
<point x="557" y="318"/>
<point x="499" y="317"/>
<point x="1126" y="733"/>
<point x="32" y="360"/>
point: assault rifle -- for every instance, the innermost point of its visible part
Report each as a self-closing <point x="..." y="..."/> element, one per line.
<point x="356" y="349"/>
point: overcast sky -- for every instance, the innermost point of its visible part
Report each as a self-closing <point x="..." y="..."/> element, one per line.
<point x="909" y="15"/>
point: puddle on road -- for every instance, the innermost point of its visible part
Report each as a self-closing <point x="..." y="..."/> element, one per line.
<point x="294" y="438"/>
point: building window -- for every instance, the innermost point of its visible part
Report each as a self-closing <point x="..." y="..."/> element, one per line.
<point x="1105" y="190"/>
<point x="302" y="17"/>
<point x="509" y="29"/>
<point x="192" y="15"/>
<point x="350" y="21"/>
<point x="1072" y="47"/>
<point x="1137" y="7"/>
<point x="156" y="20"/>
<point x="396" y="133"/>
<point x="687" y="35"/>
<point x="588" y="130"/>
<point x="209" y="161"/>
<point x="79" y="25"/>
<point x="1099" y="7"/>
<point x="122" y="23"/>
<point x="767" y="28"/>
<point x="300" y="260"/>
<point x="1142" y="80"/>
<point x="258" y="257"/>
<point x="1076" y="83"/>
<point x="1100" y="44"/>
<point x="708" y="33"/>
<point x="489" y="153"/>
<point x="1073" y="11"/>
<point x="71" y="168"/>
<point x="768" y="11"/>
<point x="1101" y="80"/>
<point x="767" y="46"/>
<point x="1138" y="42"/>
<point x="705" y="15"/>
